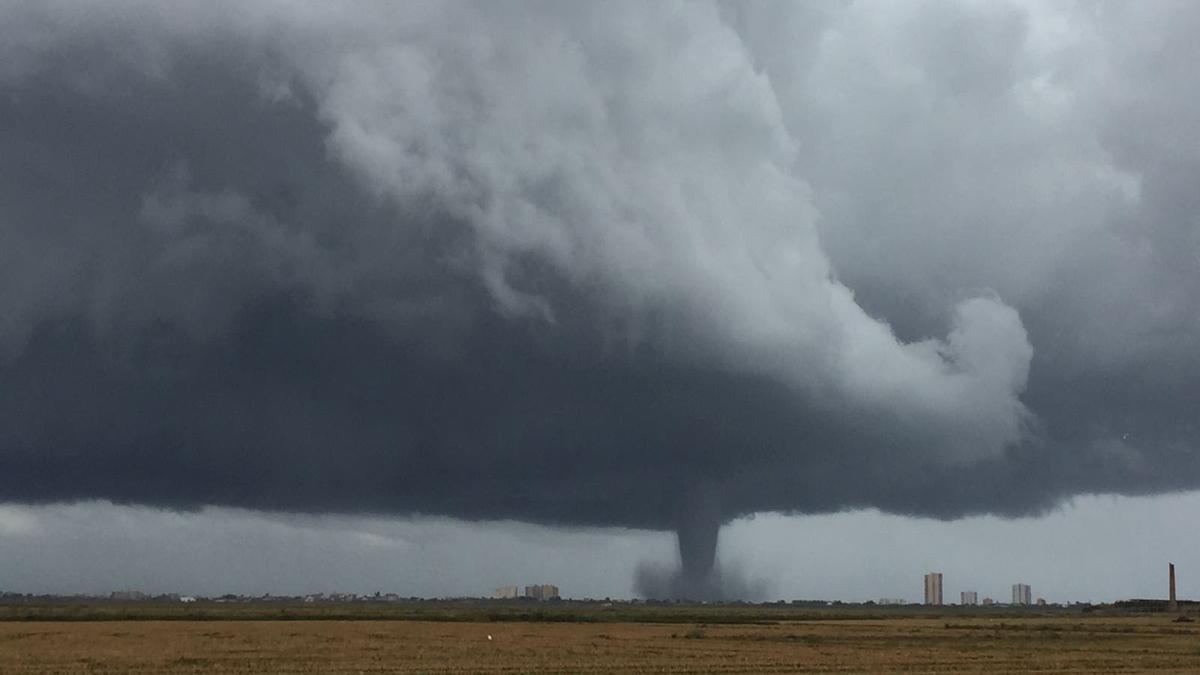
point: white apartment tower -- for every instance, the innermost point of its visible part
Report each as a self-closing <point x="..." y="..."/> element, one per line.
<point x="933" y="588"/>
<point x="1021" y="594"/>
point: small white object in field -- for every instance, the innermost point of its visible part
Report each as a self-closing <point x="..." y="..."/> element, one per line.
<point x="489" y="637"/>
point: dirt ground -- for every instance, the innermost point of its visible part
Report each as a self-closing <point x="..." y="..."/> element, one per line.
<point x="910" y="645"/>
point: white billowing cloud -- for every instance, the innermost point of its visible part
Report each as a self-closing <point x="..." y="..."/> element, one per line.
<point x="1035" y="149"/>
<point x="649" y="159"/>
<point x="638" y="153"/>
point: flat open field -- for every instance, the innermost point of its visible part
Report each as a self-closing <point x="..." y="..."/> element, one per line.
<point x="1067" y="643"/>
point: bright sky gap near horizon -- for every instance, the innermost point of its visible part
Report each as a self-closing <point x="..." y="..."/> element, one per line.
<point x="388" y="287"/>
<point x="1099" y="549"/>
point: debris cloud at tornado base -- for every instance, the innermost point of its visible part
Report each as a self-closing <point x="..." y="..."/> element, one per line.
<point x="651" y="267"/>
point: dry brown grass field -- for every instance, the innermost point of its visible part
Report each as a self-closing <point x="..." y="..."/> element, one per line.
<point x="968" y="644"/>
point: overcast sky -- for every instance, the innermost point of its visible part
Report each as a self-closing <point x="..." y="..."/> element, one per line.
<point x="621" y="270"/>
<point x="1096" y="549"/>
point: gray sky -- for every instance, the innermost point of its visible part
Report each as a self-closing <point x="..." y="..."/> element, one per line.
<point x="1095" y="549"/>
<point x="655" y="267"/>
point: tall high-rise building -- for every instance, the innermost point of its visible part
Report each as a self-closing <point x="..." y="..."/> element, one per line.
<point x="933" y="588"/>
<point x="1021" y="594"/>
<point x="969" y="598"/>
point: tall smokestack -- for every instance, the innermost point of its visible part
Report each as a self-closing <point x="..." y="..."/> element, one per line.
<point x="1172" y="604"/>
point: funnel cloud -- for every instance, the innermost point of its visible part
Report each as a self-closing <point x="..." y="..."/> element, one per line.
<point x="604" y="265"/>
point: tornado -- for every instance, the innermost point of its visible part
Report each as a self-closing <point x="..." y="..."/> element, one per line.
<point x="697" y="577"/>
<point x="699" y="525"/>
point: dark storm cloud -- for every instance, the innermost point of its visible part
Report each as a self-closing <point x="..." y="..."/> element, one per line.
<point x="579" y="265"/>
